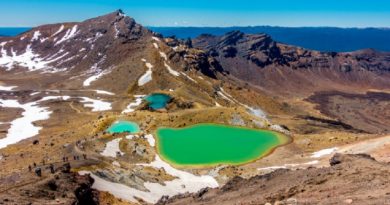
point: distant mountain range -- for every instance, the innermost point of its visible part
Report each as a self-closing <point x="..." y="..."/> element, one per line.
<point x="315" y="38"/>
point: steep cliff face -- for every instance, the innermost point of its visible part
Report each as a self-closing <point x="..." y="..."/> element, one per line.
<point x="284" y="69"/>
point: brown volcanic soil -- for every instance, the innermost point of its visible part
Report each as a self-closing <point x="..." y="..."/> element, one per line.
<point x="352" y="179"/>
<point x="369" y="112"/>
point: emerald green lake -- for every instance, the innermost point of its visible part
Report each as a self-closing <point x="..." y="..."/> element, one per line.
<point x="123" y="126"/>
<point x="158" y="100"/>
<point x="212" y="144"/>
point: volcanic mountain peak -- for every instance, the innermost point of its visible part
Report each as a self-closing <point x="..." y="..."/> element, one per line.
<point x="61" y="47"/>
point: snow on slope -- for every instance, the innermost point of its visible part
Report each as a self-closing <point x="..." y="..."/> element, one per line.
<point x="103" y="92"/>
<point x="131" y="107"/>
<point x="87" y="82"/>
<point x="58" y="31"/>
<point x="23" y="127"/>
<point x="7" y="88"/>
<point x="70" y="33"/>
<point x="147" y="77"/>
<point x="96" y="105"/>
<point x="112" y="148"/>
<point x="36" y="36"/>
<point x="324" y="152"/>
<point x="28" y="59"/>
<point x="170" y="70"/>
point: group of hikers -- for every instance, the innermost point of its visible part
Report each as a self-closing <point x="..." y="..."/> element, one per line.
<point x="38" y="170"/>
<point x="65" y="159"/>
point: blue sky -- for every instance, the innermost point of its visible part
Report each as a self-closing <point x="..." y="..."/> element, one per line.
<point x="339" y="13"/>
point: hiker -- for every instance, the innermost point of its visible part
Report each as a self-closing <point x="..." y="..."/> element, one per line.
<point x="51" y="168"/>
<point x="66" y="168"/>
<point x="38" y="172"/>
<point x="29" y="168"/>
<point x="34" y="164"/>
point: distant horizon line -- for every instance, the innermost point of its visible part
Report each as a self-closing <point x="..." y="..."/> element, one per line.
<point x="248" y="26"/>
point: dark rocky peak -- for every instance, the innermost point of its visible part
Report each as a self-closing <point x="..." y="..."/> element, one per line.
<point x="117" y="24"/>
<point x="231" y="38"/>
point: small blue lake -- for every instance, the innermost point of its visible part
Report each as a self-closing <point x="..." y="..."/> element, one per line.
<point x="123" y="126"/>
<point x="158" y="100"/>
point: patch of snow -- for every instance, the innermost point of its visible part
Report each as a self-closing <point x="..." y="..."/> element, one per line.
<point x="43" y="39"/>
<point x="34" y="93"/>
<point x="103" y="92"/>
<point x="170" y="70"/>
<point x="130" y="137"/>
<point x="47" y="98"/>
<point x="96" y="105"/>
<point x="93" y="39"/>
<point x="183" y="73"/>
<point x="272" y="168"/>
<point x="116" y="30"/>
<point x="147" y="77"/>
<point x="112" y="148"/>
<point x="312" y="162"/>
<point x="59" y="30"/>
<point x="150" y="139"/>
<point x="225" y="95"/>
<point x="155" y="45"/>
<point x="256" y="112"/>
<point x="89" y="80"/>
<point x="131" y="107"/>
<point x="287" y="166"/>
<point x="324" y="152"/>
<point x="36" y="36"/>
<point x="23" y="127"/>
<point x="70" y="33"/>
<point x="156" y="39"/>
<point x="163" y="55"/>
<point x="7" y="88"/>
<point x="185" y="182"/>
<point x="28" y="59"/>
<point x="115" y="163"/>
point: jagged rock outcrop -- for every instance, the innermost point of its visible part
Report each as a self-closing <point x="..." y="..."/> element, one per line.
<point x="280" y="68"/>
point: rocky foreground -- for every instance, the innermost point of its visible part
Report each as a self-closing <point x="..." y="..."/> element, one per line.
<point x="61" y="187"/>
<point x="351" y="179"/>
